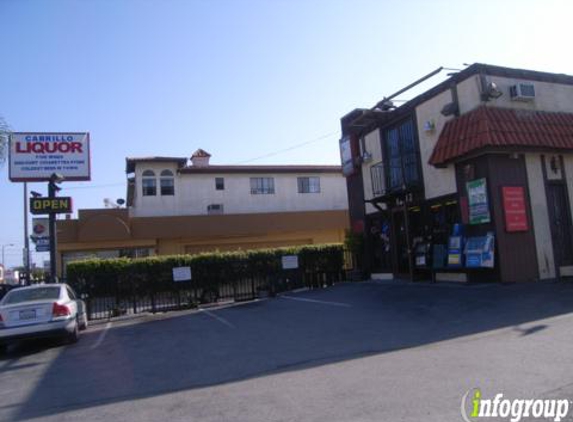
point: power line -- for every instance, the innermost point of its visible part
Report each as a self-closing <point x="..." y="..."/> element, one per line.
<point x="272" y="154"/>
<point x="94" y="186"/>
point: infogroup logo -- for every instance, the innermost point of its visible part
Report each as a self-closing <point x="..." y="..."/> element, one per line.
<point x="475" y="407"/>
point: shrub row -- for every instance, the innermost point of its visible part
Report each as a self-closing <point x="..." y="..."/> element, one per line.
<point x="211" y="268"/>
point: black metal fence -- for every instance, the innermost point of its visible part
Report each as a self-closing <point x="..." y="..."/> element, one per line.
<point x="116" y="296"/>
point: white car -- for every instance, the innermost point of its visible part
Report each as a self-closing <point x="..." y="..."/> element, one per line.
<point x="41" y="311"/>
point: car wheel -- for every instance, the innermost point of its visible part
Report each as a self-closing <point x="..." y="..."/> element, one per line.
<point x="74" y="336"/>
<point x="84" y="323"/>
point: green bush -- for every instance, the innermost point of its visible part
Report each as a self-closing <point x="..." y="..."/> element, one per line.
<point x="146" y="274"/>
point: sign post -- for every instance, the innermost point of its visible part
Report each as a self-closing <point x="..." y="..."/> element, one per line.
<point x="49" y="157"/>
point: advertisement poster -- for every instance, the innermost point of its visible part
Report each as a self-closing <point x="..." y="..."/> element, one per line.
<point x="514" y="209"/>
<point x="477" y="202"/>
<point x="346" y="156"/>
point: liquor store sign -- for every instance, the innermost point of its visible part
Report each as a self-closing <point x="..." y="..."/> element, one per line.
<point x="34" y="157"/>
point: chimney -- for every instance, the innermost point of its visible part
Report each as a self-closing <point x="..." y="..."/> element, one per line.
<point x="200" y="158"/>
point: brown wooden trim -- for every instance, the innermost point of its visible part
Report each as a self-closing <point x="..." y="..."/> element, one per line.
<point x="94" y="229"/>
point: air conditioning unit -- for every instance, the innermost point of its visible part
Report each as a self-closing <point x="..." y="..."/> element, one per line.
<point x="215" y="209"/>
<point x="522" y="91"/>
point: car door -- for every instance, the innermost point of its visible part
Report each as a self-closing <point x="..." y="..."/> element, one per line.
<point x="78" y="304"/>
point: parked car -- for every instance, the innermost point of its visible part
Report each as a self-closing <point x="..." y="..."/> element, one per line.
<point x="41" y="311"/>
<point x="5" y="288"/>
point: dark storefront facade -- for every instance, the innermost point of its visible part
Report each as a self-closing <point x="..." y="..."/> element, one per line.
<point x="465" y="184"/>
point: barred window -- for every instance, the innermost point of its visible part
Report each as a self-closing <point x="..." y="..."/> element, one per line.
<point x="308" y="184"/>
<point x="262" y="185"/>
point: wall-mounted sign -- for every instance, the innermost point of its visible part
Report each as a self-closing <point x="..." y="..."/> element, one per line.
<point x="346" y="156"/>
<point x="181" y="273"/>
<point x="289" y="262"/>
<point x="43" y="244"/>
<point x="514" y="208"/>
<point x="58" y="205"/>
<point x="477" y="202"/>
<point x="40" y="227"/>
<point x="34" y="157"/>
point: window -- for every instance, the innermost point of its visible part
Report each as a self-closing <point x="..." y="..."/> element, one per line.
<point x="215" y="209"/>
<point x="167" y="183"/>
<point x="219" y="183"/>
<point x="71" y="293"/>
<point x="148" y="183"/>
<point x="309" y="185"/>
<point x="377" y="179"/>
<point x="262" y="185"/>
<point x="32" y="295"/>
<point x="402" y="156"/>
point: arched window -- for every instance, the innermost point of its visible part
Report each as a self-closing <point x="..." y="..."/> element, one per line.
<point x="167" y="183"/>
<point x="148" y="183"/>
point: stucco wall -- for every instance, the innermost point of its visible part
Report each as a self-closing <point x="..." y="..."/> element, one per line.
<point x="548" y="96"/>
<point x="195" y="192"/>
<point x="540" y="214"/>
<point x="437" y="181"/>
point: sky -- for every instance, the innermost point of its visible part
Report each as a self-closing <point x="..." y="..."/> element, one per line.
<point x="250" y="81"/>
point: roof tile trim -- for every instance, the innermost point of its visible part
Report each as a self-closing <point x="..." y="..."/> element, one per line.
<point x="494" y="127"/>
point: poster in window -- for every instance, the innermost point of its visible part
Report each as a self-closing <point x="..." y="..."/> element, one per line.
<point x="514" y="209"/>
<point x="477" y="202"/>
<point x="346" y="156"/>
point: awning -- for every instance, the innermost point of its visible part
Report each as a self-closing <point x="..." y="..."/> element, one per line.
<point x="493" y="129"/>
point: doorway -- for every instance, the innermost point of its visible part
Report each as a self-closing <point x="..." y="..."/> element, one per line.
<point x="401" y="256"/>
<point x="560" y="221"/>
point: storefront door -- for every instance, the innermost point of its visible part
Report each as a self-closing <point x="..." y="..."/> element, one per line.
<point x="401" y="255"/>
<point x="560" y="219"/>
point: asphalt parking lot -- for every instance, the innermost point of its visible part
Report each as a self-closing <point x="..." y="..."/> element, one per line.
<point x="354" y="352"/>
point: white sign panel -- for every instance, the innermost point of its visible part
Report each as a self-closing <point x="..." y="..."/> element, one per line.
<point x="41" y="227"/>
<point x="290" y="262"/>
<point x="181" y="273"/>
<point x="34" y="157"/>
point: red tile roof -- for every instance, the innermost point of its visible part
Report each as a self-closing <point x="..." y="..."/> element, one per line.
<point x="499" y="128"/>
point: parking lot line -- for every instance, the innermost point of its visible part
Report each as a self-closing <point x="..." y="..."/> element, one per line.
<point x="101" y="336"/>
<point x="218" y="318"/>
<point x="323" y="302"/>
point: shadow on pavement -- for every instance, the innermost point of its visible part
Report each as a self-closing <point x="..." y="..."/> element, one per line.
<point x="194" y="351"/>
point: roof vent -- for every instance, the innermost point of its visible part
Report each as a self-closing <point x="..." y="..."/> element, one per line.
<point x="522" y="91"/>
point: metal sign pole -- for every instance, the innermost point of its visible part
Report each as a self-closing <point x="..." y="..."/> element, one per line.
<point x="52" y="222"/>
<point x="26" y="254"/>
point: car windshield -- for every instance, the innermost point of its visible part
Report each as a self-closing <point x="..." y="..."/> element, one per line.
<point x="30" y="295"/>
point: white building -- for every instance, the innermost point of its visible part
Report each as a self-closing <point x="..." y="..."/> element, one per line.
<point x="163" y="186"/>
<point x="178" y="208"/>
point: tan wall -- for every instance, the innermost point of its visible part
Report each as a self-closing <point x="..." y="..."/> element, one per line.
<point x="437" y="181"/>
<point x="548" y="96"/>
<point x="98" y="230"/>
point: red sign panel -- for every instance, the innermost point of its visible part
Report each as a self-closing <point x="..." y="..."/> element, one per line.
<point x="514" y="209"/>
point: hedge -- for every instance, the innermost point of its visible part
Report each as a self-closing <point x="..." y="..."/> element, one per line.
<point x="147" y="273"/>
